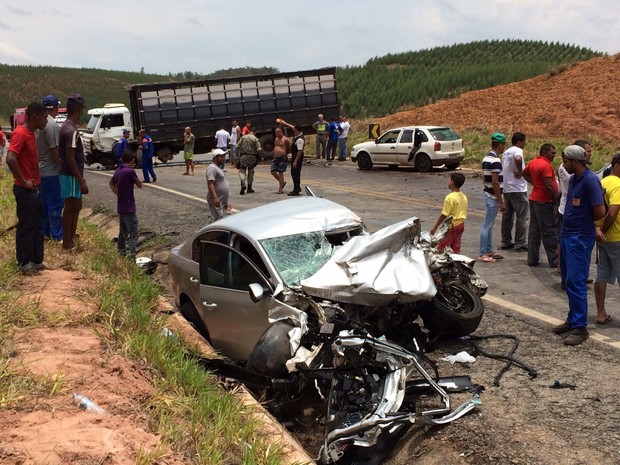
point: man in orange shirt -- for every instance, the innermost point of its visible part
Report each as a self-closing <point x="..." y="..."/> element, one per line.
<point x="543" y="199"/>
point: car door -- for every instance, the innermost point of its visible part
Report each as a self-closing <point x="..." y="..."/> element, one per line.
<point x="385" y="147"/>
<point x="234" y="322"/>
<point x="404" y="146"/>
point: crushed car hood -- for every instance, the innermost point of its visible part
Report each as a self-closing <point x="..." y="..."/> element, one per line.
<point x="376" y="269"/>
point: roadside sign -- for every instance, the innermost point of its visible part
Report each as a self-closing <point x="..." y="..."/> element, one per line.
<point x="373" y="131"/>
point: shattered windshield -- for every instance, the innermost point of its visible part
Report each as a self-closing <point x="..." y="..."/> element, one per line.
<point x="298" y="256"/>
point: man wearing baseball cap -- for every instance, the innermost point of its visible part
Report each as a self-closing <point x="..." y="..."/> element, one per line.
<point x="120" y="147"/>
<point x="584" y="206"/>
<point x="493" y="183"/>
<point x="49" y="166"/>
<point x="217" y="186"/>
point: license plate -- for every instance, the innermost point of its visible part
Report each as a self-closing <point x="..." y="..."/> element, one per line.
<point x="453" y="155"/>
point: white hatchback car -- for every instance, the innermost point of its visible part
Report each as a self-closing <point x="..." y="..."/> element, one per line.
<point x="419" y="146"/>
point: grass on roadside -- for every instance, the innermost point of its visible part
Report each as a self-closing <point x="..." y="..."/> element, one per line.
<point x="192" y="415"/>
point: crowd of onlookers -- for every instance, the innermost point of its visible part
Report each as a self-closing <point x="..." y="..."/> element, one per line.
<point x="569" y="212"/>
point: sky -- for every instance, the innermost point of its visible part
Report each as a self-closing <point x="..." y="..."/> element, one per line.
<point x="164" y="36"/>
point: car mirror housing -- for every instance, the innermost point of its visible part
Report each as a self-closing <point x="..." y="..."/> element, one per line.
<point x="256" y="292"/>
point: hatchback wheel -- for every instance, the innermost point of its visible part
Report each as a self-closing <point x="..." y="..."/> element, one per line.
<point x="364" y="162"/>
<point x="423" y="163"/>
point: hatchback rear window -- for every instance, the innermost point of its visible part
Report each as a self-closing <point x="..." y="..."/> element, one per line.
<point x="444" y="134"/>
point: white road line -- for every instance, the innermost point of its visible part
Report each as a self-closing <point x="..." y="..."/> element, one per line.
<point x="164" y="189"/>
<point x="546" y="318"/>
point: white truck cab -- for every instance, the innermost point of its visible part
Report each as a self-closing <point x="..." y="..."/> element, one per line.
<point x="104" y="129"/>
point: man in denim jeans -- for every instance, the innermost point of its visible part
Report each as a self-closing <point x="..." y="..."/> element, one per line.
<point x="493" y="181"/>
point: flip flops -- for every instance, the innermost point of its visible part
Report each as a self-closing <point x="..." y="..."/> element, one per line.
<point x="486" y="259"/>
<point x="606" y="321"/>
<point x="495" y="255"/>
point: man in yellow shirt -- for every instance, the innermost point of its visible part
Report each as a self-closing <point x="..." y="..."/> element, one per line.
<point x="608" y="237"/>
<point x="455" y="205"/>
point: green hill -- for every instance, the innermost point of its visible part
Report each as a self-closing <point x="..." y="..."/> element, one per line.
<point x="382" y="86"/>
<point x="395" y="81"/>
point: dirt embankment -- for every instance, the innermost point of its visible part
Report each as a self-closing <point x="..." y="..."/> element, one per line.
<point x="581" y="100"/>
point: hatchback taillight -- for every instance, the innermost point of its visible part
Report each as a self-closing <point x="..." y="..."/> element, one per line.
<point x="437" y="147"/>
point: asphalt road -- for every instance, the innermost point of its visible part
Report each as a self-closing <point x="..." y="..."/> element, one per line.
<point x="520" y="422"/>
<point x="381" y="196"/>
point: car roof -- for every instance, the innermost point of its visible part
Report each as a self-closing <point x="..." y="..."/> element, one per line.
<point x="420" y="127"/>
<point x="290" y="216"/>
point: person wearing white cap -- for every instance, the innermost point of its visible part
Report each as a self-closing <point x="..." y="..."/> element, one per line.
<point x="217" y="186"/>
<point x="49" y="166"/>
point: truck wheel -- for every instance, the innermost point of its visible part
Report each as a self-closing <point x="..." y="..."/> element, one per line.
<point x="423" y="163"/>
<point x="363" y="161"/>
<point x="455" y="311"/>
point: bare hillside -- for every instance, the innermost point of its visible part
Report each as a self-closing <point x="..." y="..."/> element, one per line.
<point x="582" y="100"/>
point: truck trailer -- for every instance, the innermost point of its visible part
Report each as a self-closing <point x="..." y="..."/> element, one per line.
<point x="163" y="110"/>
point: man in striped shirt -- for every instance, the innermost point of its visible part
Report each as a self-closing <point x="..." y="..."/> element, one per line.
<point x="493" y="181"/>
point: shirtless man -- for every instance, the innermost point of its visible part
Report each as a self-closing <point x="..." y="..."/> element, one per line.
<point x="281" y="149"/>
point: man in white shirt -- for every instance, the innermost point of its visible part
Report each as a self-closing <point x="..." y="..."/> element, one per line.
<point x="342" y="138"/>
<point x="222" y="137"/>
<point x="235" y="135"/>
<point x="515" y="196"/>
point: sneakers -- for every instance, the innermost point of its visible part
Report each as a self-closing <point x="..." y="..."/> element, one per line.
<point x="506" y="247"/>
<point x="242" y="191"/>
<point x="250" y="190"/>
<point x="576" y="336"/>
<point x="521" y="248"/>
<point x="293" y="194"/>
<point x="563" y="328"/>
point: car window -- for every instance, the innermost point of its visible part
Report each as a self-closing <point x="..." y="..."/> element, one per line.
<point x="213" y="236"/>
<point x="389" y="137"/>
<point x="246" y="248"/>
<point x="222" y="266"/>
<point x="444" y="134"/>
<point x="407" y="136"/>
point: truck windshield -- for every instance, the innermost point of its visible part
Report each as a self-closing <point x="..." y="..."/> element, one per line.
<point x="92" y="124"/>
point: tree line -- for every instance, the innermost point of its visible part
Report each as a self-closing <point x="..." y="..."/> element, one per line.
<point x="381" y="86"/>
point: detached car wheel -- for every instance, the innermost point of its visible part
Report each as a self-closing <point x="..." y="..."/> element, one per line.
<point x="363" y="161"/>
<point x="423" y="163"/>
<point x="456" y="311"/>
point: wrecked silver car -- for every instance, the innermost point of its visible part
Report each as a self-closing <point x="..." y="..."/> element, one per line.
<point x="308" y="301"/>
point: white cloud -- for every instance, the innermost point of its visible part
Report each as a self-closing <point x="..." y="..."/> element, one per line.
<point x="166" y="36"/>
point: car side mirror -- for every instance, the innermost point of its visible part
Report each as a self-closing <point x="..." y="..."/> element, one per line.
<point x="256" y="292"/>
<point x="376" y="141"/>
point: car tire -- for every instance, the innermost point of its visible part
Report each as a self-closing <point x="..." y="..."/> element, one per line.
<point x="272" y="351"/>
<point x="363" y="161"/>
<point x="456" y="312"/>
<point x="189" y="312"/>
<point x="452" y="166"/>
<point x="423" y="163"/>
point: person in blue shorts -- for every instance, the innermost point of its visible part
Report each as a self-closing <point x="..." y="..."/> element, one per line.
<point x="72" y="181"/>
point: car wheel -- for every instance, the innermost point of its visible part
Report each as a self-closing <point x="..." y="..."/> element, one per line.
<point x="423" y="163"/>
<point x="190" y="313"/>
<point x="363" y="161"/>
<point x="455" y="311"/>
<point x="452" y="166"/>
